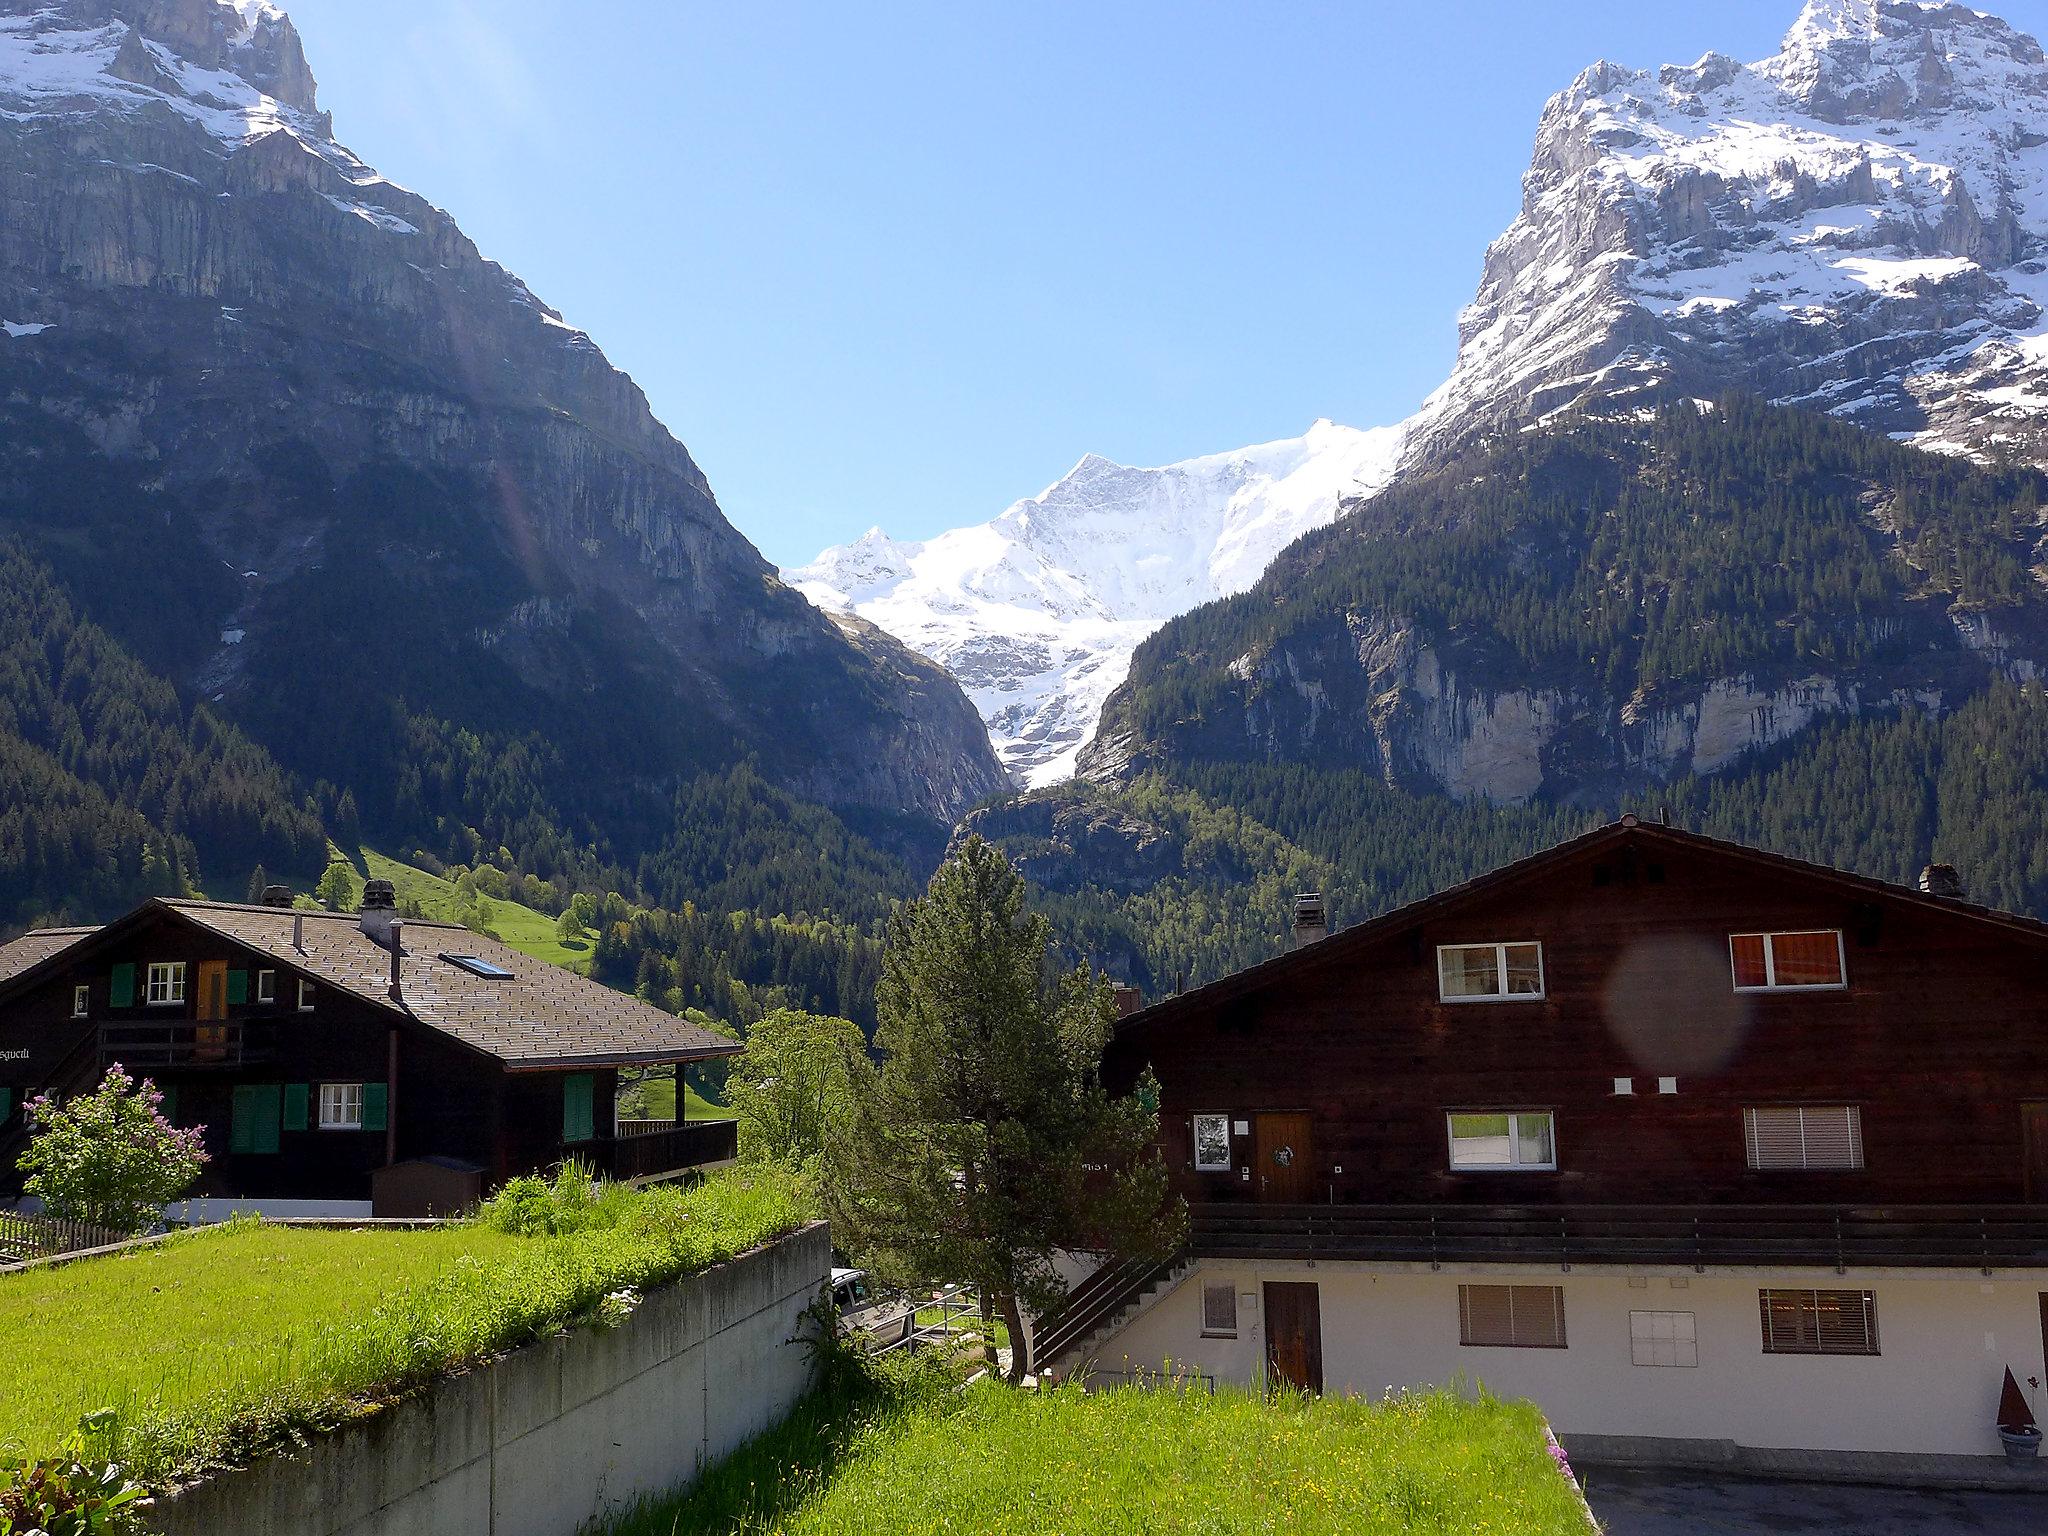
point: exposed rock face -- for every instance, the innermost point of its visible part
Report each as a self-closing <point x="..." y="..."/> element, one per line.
<point x="1037" y="611"/>
<point x="309" y="384"/>
<point x="1855" y="224"/>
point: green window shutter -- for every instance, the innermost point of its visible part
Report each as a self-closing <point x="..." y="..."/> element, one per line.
<point x="376" y="1106"/>
<point x="238" y="986"/>
<point x="254" y="1125"/>
<point x="242" y="1124"/>
<point x="121" y="987"/>
<point x="6" y="1104"/>
<point x="295" y="1098"/>
<point x="169" y="1107"/>
<point x="579" y="1094"/>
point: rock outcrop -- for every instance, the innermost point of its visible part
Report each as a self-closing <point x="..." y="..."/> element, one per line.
<point x="320" y="399"/>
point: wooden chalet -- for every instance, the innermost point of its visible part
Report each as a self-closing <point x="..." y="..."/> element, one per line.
<point x="344" y="1058"/>
<point x="1683" y="1139"/>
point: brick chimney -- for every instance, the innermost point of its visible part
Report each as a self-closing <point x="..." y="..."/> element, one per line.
<point x="1311" y="919"/>
<point x="380" y="910"/>
<point x="1128" y="1000"/>
<point x="1942" y="880"/>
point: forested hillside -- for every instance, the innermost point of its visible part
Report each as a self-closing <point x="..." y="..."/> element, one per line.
<point x="1771" y="626"/>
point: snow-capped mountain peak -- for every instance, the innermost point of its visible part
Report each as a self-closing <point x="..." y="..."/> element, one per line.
<point x="1037" y="611"/>
<point x="1852" y="224"/>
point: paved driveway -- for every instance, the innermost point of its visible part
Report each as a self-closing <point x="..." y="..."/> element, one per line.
<point x="1633" y="1503"/>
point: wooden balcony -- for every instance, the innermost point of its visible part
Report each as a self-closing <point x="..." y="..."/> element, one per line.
<point x="660" y="1153"/>
<point x="1839" y="1237"/>
<point x="186" y="1044"/>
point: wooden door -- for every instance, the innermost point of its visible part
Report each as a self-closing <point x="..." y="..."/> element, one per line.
<point x="2034" y="1123"/>
<point x="213" y="989"/>
<point x="1294" y="1335"/>
<point x="1282" y="1163"/>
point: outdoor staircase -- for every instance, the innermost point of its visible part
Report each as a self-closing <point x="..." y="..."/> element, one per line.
<point x="1093" y="1311"/>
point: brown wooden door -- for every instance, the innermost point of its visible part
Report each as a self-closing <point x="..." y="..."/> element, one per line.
<point x="1294" y="1335"/>
<point x="2034" y="1122"/>
<point x="1282" y="1165"/>
<point x="213" y="989"/>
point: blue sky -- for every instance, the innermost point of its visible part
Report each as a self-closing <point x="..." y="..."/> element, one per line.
<point x="901" y="264"/>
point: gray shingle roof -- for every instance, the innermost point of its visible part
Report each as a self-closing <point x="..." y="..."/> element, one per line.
<point x="35" y="947"/>
<point x="542" y="1015"/>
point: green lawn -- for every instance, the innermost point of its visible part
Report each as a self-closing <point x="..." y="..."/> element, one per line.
<point x="217" y="1342"/>
<point x="915" y="1458"/>
<point x="657" y="1097"/>
<point x="526" y="930"/>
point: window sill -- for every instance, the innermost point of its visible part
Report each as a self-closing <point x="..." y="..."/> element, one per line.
<point x="1503" y="1168"/>
<point x="339" y="1127"/>
<point x="1498" y="997"/>
<point x="1207" y="1335"/>
<point x="1817" y="986"/>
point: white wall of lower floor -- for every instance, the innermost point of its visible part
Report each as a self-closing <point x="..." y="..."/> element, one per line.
<point x="1946" y="1339"/>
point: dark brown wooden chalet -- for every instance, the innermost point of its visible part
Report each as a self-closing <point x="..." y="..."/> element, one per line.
<point x="1641" y="1044"/>
<point x="316" y="1058"/>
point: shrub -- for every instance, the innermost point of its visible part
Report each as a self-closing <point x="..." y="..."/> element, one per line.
<point x="76" y="1491"/>
<point x="110" y="1157"/>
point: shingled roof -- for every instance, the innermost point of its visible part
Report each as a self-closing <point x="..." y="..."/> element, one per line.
<point x="539" y="1015"/>
<point x="35" y="947"/>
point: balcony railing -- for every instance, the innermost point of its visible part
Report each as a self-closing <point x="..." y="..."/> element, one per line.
<point x="184" y="1043"/>
<point x="1985" y="1237"/>
<point x="651" y="1155"/>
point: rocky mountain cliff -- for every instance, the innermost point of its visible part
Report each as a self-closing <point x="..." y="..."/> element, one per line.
<point x="1856" y="224"/>
<point x="1037" y="611"/>
<point x="279" y="424"/>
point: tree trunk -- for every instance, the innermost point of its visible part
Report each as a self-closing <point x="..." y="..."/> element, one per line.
<point x="988" y="1329"/>
<point x="1020" y="1348"/>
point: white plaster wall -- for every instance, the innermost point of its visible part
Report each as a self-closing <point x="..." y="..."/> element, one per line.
<point x="1946" y="1338"/>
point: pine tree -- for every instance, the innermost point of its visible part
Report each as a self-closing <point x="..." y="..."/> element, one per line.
<point x="985" y="1144"/>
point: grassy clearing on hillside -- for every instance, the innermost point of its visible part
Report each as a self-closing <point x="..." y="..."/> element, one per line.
<point x="904" y="1453"/>
<point x="526" y="930"/>
<point x="220" y="1342"/>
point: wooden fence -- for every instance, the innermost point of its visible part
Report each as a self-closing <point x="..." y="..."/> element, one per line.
<point x="42" y="1237"/>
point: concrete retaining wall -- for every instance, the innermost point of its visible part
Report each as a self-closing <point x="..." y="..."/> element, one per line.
<point x="554" y="1434"/>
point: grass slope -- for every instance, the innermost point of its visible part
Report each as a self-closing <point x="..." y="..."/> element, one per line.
<point x="526" y="930"/>
<point x="215" y="1344"/>
<point x="1136" y="1460"/>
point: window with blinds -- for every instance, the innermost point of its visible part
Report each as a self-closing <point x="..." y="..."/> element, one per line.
<point x="1819" y="1322"/>
<point x="1804" y="1136"/>
<point x="1805" y="961"/>
<point x="1514" y="1316"/>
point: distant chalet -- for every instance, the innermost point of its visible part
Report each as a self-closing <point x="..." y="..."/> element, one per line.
<point x="327" y="1052"/>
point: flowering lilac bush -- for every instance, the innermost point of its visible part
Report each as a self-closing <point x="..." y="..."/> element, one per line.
<point x="110" y="1157"/>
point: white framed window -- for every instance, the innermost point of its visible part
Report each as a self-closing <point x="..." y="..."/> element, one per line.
<point x="1212" y="1144"/>
<point x="81" y="1000"/>
<point x="1524" y="1140"/>
<point x="166" y="983"/>
<point x="1804" y="1136"/>
<point x="341" y="1106"/>
<point x="1512" y="1316"/>
<point x="305" y="996"/>
<point x="266" y="986"/>
<point x="1489" y="973"/>
<point x="1819" y="1322"/>
<point x="1806" y="960"/>
<point x="1663" y="1338"/>
<point x="1219" y="1309"/>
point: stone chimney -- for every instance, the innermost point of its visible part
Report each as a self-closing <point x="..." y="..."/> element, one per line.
<point x="277" y="896"/>
<point x="1311" y="919"/>
<point x="1942" y="880"/>
<point x="380" y="910"/>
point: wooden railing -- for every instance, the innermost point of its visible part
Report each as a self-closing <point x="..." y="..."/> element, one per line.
<point x="42" y="1237"/>
<point x="685" y="1145"/>
<point x="1985" y="1237"/>
<point x="645" y="1127"/>
<point x="1092" y="1303"/>
<point x="181" y="1043"/>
